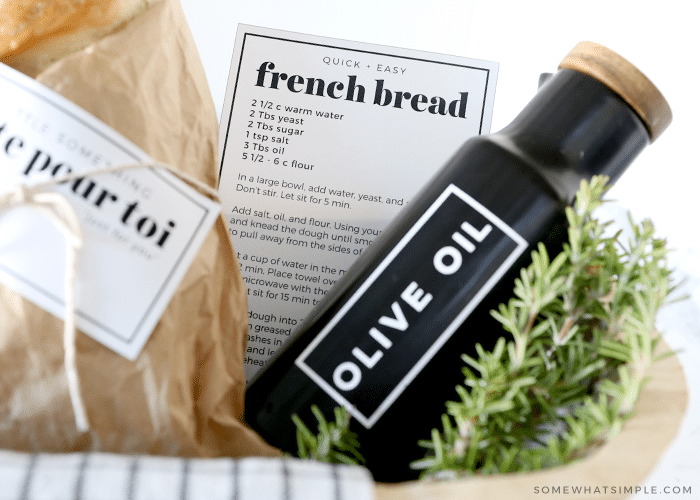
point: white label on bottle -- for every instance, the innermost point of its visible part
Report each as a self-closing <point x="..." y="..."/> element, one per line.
<point x="323" y="142"/>
<point x="411" y="304"/>
<point x="141" y="228"/>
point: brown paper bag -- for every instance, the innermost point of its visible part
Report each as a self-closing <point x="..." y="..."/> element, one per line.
<point x="184" y="393"/>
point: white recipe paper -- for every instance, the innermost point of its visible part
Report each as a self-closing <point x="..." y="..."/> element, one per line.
<point x="141" y="227"/>
<point x="322" y="142"/>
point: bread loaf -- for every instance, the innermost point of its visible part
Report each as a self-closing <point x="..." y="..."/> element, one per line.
<point x="34" y="34"/>
<point x="184" y="394"/>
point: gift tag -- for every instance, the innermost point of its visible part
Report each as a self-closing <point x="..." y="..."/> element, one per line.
<point x="141" y="227"/>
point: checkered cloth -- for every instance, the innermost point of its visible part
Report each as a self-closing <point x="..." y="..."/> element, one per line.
<point x="114" y="477"/>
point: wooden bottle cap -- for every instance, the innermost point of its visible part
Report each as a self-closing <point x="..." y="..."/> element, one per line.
<point x="623" y="78"/>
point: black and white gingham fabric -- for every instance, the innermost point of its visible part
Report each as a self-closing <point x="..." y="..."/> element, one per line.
<point x="116" y="477"/>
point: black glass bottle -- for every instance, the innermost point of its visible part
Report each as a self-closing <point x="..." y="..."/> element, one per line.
<point x="386" y="340"/>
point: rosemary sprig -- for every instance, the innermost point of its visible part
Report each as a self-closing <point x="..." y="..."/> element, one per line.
<point x="583" y="335"/>
<point x="334" y="442"/>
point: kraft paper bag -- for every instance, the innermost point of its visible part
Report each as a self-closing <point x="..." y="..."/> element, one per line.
<point x="184" y="394"/>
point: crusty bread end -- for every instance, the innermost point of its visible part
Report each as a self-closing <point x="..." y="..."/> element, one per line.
<point x="35" y="34"/>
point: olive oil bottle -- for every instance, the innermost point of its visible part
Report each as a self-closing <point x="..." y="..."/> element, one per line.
<point x="386" y="340"/>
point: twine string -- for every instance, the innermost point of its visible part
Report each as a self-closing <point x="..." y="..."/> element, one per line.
<point x="65" y="219"/>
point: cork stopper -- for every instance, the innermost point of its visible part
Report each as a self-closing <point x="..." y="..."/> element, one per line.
<point x="623" y="78"/>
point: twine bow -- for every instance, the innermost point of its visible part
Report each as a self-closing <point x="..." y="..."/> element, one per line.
<point x="62" y="214"/>
<point x="64" y="218"/>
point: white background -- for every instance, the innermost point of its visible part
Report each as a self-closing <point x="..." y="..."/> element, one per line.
<point x="529" y="38"/>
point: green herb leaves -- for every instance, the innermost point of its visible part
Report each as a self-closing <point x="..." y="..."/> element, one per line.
<point x="334" y="442"/>
<point x="581" y="336"/>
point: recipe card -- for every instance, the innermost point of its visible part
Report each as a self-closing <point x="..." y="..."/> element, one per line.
<point x="140" y="227"/>
<point x="322" y="143"/>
